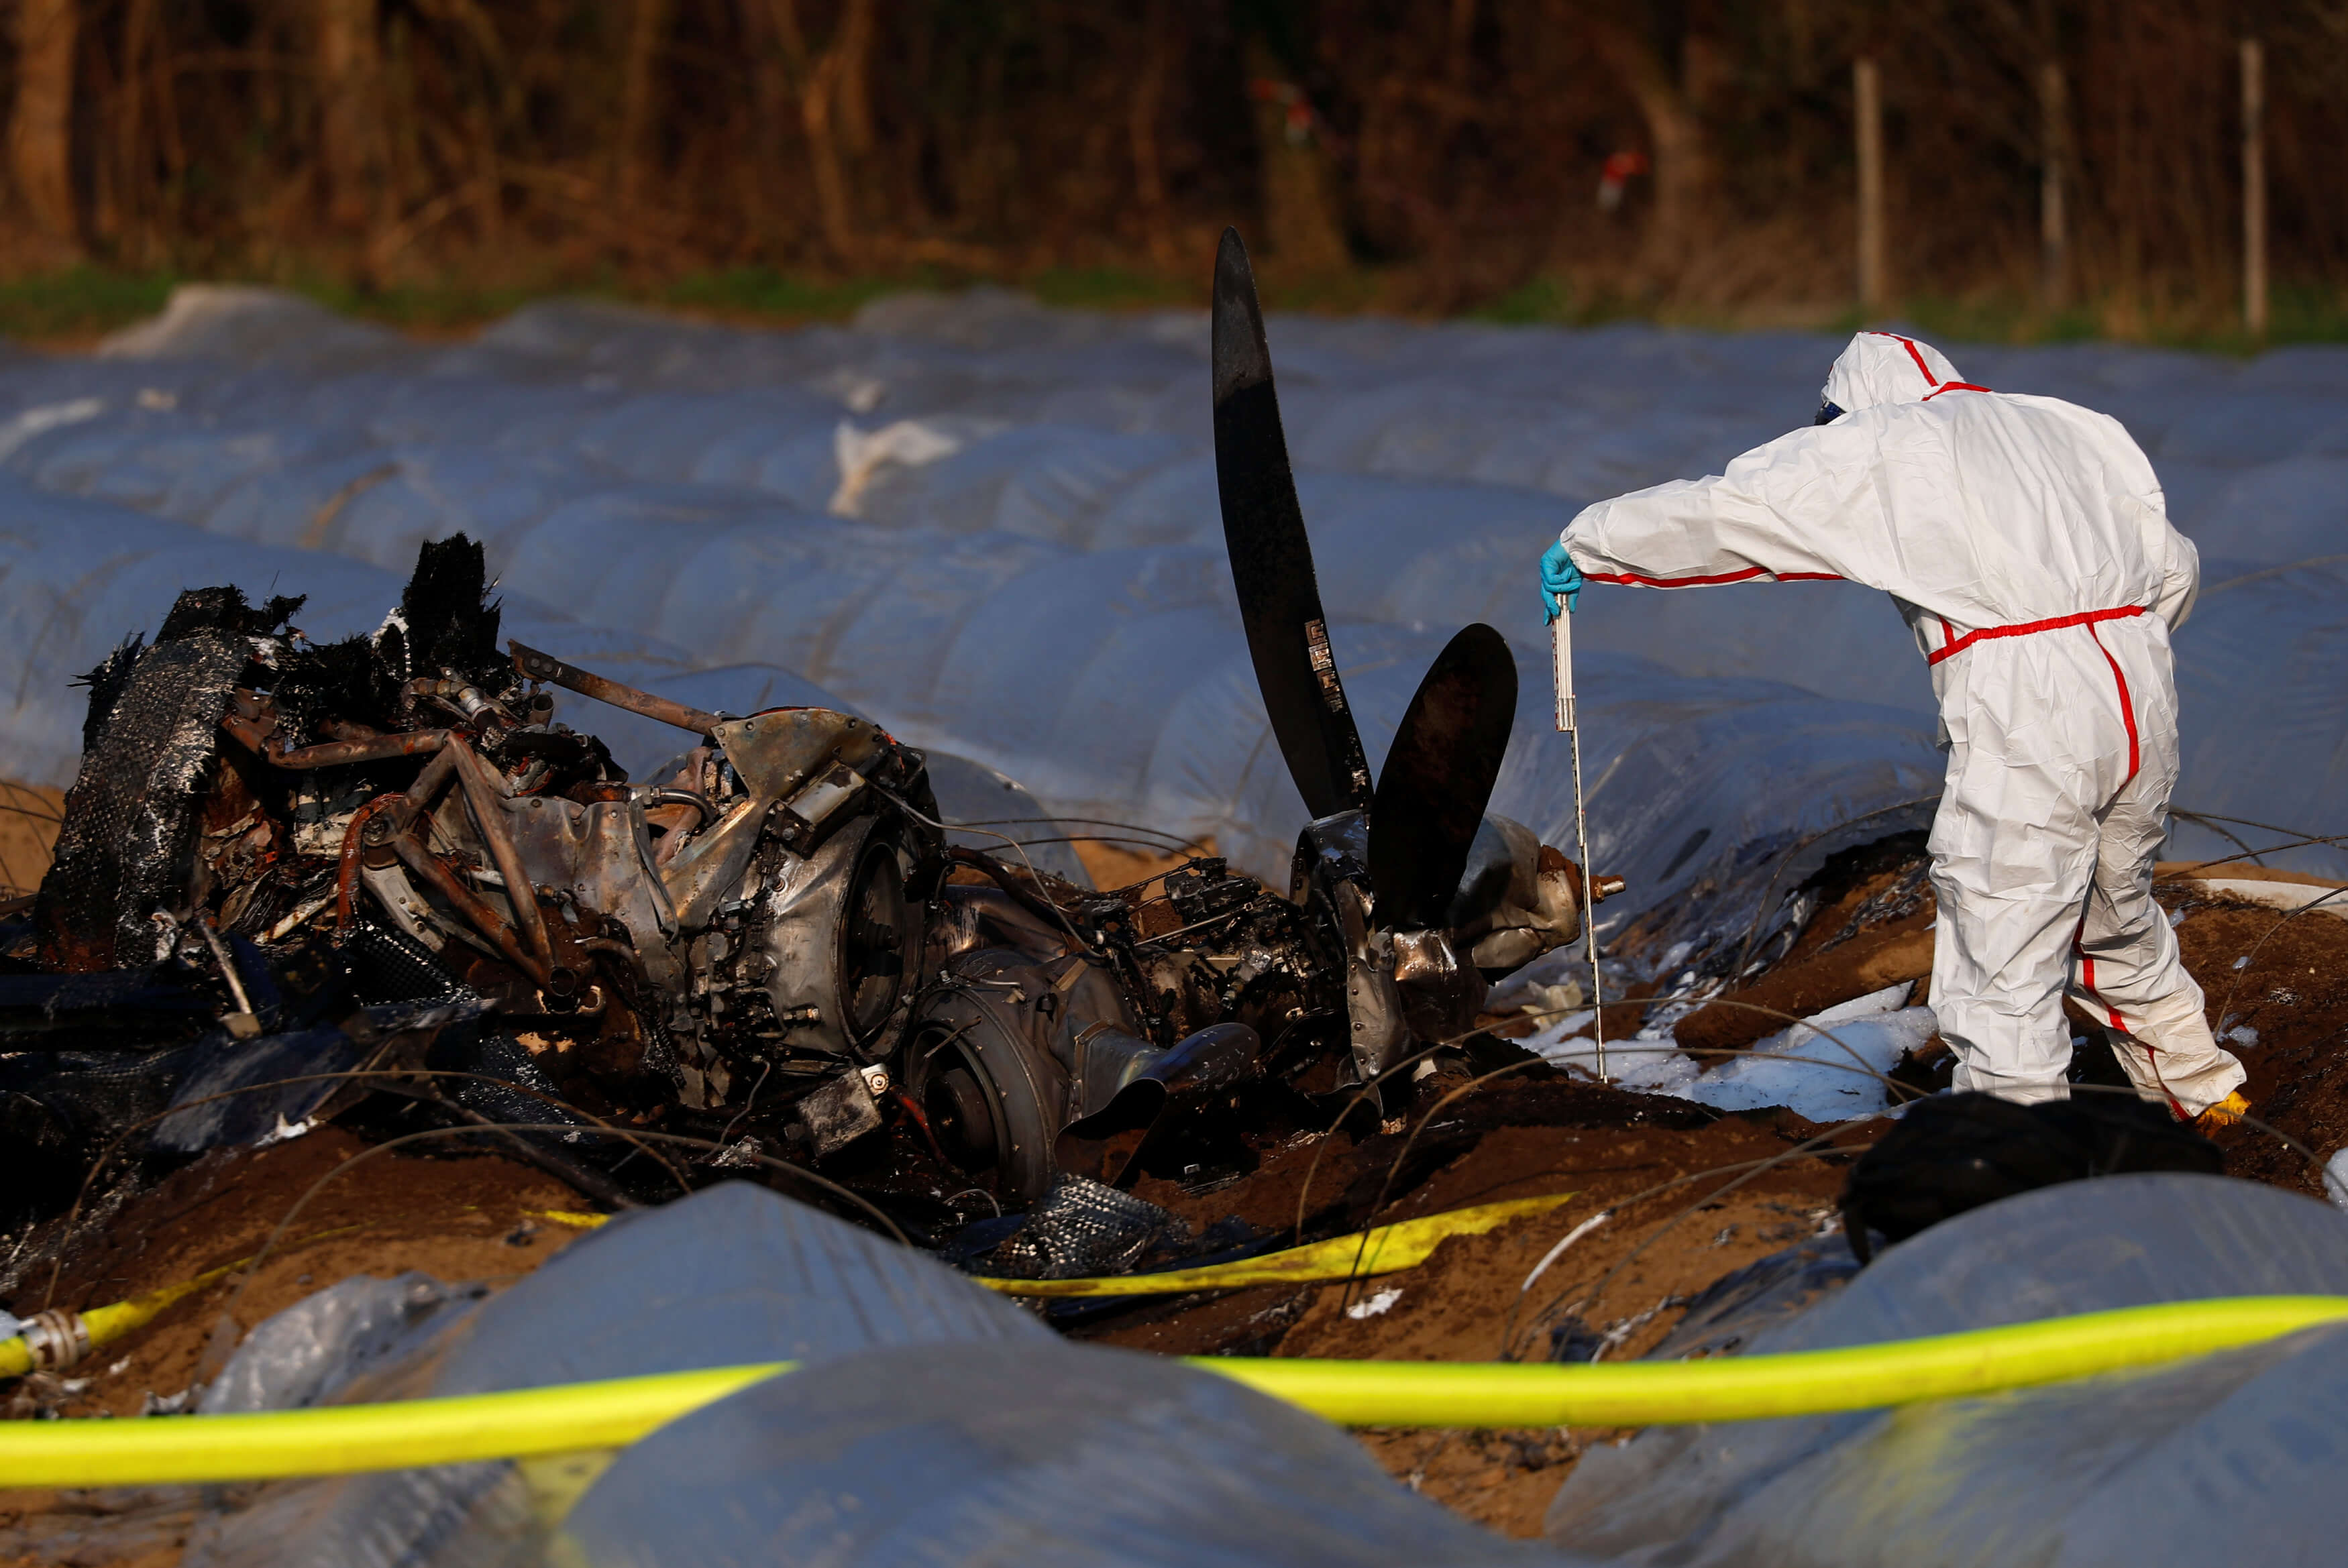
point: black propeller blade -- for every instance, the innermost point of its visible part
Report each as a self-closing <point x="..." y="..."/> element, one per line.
<point x="1271" y="559"/>
<point x="1438" y="778"/>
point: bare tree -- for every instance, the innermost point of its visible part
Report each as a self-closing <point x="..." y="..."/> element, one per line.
<point x="1148" y="106"/>
<point x="640" y="62"/>
<point x="40" y="126"/>
<point x="1686" y="172"/>
<point x="835" y="111"/>
<point x="350" y="114"/>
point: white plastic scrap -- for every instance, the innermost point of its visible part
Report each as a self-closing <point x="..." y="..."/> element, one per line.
<point x="1825" y="1076"/>
<point x="285" y="1132"/>
<point x="1376" y="1304"/>
<point x="860" y="454"/>
<point x="41" y="420"/>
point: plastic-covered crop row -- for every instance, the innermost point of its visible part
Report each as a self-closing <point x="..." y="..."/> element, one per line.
<point x="993" y="527"/>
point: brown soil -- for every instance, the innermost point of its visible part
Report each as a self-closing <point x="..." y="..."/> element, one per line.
<point x="29" y="827"/>
<point x="1872" y="929"/>
<point x="1467" y="1302"/>
<point x="462" y="1218"/>
<point x="2294" y="992"/>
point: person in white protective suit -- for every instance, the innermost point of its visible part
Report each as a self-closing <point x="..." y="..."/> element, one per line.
<point x="2027" y="542"/>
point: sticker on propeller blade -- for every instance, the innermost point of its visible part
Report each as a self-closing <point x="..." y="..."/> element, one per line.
<point x="1324" y="665"/>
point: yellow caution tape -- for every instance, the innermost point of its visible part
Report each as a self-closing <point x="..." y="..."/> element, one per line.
<point x="1384" y="1250"/>
<point x="1388" y="1249"/>
<point x="529" y="1422"/>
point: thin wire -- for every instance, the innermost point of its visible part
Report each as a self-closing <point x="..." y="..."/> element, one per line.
<point x="2228" y="834"/>
<point x="2262" y="827"/>
<point x="2264" y="572"/>
<point x="1178" y="843"/>
<point x="1036" y="877"/>
<point x="1813" y="1149"/>
<point x="1087" y="838"/>
<point x="1745" y="952"/>
<point x="1808" y="1151"/>
<point x="2226" y="1010"/>
<point x="1305" y="1190"/>
<point x="1892" y="1086"/>
<point x="1820" y="1145"/>
<point x="1157" y="876"/>
<point x="1402" y="1157"/>
<point x="1395" y="1165"/>
<point x="765" y="1067"/>
<point x="252" y="1269"/>
<point x="348" y="1075"/>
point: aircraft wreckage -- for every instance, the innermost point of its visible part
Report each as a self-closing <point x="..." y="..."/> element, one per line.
<point x="285" y="861"/>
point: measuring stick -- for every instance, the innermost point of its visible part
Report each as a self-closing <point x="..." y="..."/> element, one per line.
<point x="1560" y="642"/>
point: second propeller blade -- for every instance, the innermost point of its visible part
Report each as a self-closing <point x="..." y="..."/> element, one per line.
<point x="1438" y="778"/>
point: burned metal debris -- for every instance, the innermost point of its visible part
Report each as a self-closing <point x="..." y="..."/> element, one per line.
<point x="285" y="860"/>
<point x="389" y="855"/>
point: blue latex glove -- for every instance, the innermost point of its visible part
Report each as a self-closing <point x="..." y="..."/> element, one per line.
<point x="1558" y="576"/>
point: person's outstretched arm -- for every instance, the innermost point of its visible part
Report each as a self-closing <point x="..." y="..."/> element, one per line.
<point x="1805" y="505"/>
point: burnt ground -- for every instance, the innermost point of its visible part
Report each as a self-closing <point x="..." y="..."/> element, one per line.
<point x="1664" y="1168"/>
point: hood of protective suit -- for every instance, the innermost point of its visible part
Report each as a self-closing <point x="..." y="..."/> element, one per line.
<point x="1884" y="368"/>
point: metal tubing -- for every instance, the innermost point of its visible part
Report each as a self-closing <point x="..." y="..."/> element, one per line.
<point x="469" y="904"/>
<point x="539" y="666"/>
<point x="427" y="787"/>
<point x="699" y="803"/>
<point x="346" y="872"/>
<point x="482" y="794"/>
<point x="379" y="748"/>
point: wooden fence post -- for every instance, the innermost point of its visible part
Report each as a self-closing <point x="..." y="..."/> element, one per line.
<point x="2254" y="189"/>
<point x="2054" y="220"/>
<point x="1867" y="88"/>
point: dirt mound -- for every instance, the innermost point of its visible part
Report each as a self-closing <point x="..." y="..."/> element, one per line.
<point x="2278" y="997"/>
<point x="1871" y="927"/>
<point x="467" y="1218"/>
<point x="1677" y="1221"/>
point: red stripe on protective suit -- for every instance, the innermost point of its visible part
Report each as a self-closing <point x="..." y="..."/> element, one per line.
<point x="1915" y="354"/>
<point x="1953" y="386"/>
<point x="2151" y="1051"/>
<point x="2030" y="628"/>
<point x="2088" y="986"/>
<point x="1635" y="579"/>
<point x="2127" y="703"/>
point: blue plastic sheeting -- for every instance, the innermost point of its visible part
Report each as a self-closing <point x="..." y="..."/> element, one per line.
<point x="2227" y="1458"/>
<point x="993" y="528"/>
<point x="932" y="1420"/>
<point x="1057" y="1456"/>
<point x="76" y="578"/>
<point x="730" y="1275"/>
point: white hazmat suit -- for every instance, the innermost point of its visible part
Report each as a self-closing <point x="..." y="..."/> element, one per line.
<point x="2026" y="541"/>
